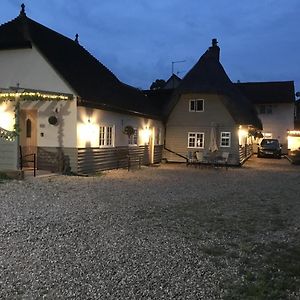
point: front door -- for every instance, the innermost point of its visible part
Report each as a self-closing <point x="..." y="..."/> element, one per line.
<point x="28" y="133"/>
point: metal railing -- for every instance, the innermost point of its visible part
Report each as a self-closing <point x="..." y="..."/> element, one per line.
<point x="28" y="158"/>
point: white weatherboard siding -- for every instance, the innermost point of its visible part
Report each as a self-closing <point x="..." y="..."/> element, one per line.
<point x="181" y="121"/>
<point x="89" y="120"/>
<point x="8" y="155"/>
<point x="8" y="150"/>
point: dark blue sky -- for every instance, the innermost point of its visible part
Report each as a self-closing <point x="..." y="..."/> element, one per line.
<point x="138" y="39"/>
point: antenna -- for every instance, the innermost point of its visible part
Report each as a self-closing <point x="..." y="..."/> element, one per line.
<point x="176" y="62"/>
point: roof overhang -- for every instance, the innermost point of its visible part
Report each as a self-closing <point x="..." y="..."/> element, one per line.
<point x="103" y="106"/>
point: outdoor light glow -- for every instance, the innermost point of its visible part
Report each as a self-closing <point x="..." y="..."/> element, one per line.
<point x="293" y="143"/>
<point x="88" y="134"/>
<point x="242" y="133"/>
<point x="294" y="132"/>
<point x="145" y="135"/>
<point x="7" y="120"/>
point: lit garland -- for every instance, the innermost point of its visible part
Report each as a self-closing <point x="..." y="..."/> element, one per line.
<point x="33" y="96"/>
<point x="8" y="135"/>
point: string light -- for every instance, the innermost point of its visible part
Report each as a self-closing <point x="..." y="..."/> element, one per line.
<point x="7" y="135"/>
<point x="33" y="96"/>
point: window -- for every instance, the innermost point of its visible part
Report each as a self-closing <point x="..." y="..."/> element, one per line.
<point x="28" y="128"/>
<point x="133" y="139"/>
<point x="267" y="135"/>
<point x="265" y="109"/>
<point x="157" y="140"/>
<point x="195" y="140"/>
<point x="196" y="105"/>
<point x="106" y="138"/>
<point x="225" y="139"/>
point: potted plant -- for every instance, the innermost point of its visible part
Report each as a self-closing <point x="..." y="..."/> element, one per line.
<point x="129" y="130"/>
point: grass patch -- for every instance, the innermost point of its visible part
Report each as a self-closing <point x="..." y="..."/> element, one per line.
<point x="269" y="272"/>
<point x="3" y="177"/>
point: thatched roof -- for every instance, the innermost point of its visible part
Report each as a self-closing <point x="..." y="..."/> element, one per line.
<point x="268" y="92"/>
<point x="96" y="85"/>
<point x="209" y="76"/>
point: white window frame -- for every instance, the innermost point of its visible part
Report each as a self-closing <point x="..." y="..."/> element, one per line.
<point x="265" y="109"/>
<point x="108" y="138"/>
<point x="133" y="139"/>
<point x="157" y="139"/>
<point x="196" y="138"/>
<point x="195" y="101"/>
<point x="225" y="139"/>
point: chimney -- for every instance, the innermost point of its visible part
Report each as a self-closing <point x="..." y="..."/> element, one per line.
<point x="77" y="38"/>
<point x="214" y="50"/>
<point x="22" y="11"/>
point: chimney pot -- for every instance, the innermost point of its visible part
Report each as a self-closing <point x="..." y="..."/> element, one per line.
<point x="214" y="42"/>
<point x="22" y="12"/>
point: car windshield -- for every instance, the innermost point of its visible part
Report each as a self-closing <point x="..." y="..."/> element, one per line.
<point x="270" y="142"/>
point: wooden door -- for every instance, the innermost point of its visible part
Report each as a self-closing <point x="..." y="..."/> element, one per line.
<point x="28" y="133"/>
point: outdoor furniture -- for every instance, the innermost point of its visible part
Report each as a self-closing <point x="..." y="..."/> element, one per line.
<point x="223" y="160"/>
<point x="191" y="158"/>
<point x="27" y="158"/>
<point x="201" y="159"/>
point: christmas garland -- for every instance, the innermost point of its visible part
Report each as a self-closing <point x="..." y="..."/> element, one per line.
<point x="33" y="96"/>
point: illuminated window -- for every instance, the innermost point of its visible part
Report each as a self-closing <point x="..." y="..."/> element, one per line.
<point x="133" y="139"/>
<point x="106" y="137"/>
<point x="28" y="128"/>
<point x="267" y="135"/>
<point x="196" y="105"/>
<point x="225" y="139"/>
<point x="195" y="140"/>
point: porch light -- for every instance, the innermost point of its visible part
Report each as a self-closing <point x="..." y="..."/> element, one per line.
<point x="242" y="134"/>
<point x="88" y="134"/>
<point x="145" y="135"/>
<point x="293" y="140"/>
<point x="7" y="118"/>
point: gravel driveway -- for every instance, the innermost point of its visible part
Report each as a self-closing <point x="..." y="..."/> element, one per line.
<point x="167" y="232"/>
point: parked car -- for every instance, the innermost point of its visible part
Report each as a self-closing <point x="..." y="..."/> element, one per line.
<point x="269" y="148"/>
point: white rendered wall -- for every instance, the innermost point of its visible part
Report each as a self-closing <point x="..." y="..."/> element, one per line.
<point x="61" y="135"/>
<point x="29" y="69"/>
<point x="88" y="132"/>
<point x="281" y="120"/>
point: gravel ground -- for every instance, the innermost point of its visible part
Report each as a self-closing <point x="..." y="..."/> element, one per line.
<point x="167" y="232"/>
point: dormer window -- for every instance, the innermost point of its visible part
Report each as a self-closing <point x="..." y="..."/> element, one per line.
<point x="196" y="105"/>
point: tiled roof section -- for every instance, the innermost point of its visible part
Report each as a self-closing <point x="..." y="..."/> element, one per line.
<point x="90" y="79"/>
<point x="268" y="92"/>
<point x="209" y="76"/>
<point x="172" y="82"/>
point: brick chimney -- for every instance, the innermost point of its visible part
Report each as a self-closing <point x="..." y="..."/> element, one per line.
<point x="214" y="50"/>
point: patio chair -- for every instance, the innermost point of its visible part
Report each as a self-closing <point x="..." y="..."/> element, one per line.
<point x="201" y="160"/>
<point x="223" y="160"/>
<point x="191" y="159"/>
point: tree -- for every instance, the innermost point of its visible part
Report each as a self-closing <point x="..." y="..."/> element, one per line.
<point x="158" y="84"/>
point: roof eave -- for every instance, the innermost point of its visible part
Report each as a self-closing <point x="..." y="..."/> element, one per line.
<point x="92" y="104"/>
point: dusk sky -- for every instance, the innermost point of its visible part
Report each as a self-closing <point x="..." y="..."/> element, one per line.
<point x="138" y="39"/>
